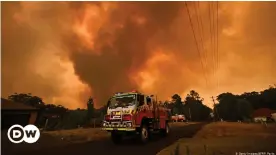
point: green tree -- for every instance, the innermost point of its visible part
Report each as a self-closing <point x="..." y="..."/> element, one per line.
<point x="166" y="104"/>
<point x="37" y="102"/>
<point x="27" y="99"/>
<point x="177" y="105"/>
<point x="269" y="97"/>
<point x="90" y="108"/>
<point x="254" y="98"/>
<point x="194" y="108"/>
<point x="245" y="109"/>
<point x="263" y="99"/>
<point x="234" y="107"/>
<point x="227" y="107"/>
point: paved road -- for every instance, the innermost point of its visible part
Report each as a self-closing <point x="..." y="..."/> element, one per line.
<point x="132" y="147"/>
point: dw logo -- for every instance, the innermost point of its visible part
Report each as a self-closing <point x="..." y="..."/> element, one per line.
<point x="18" y="134"/>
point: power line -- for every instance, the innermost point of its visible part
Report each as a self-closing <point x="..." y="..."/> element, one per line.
<point x="192" y="26"/>
<point x="200" y="26"/>
<point x="215" y="44"/>
<point x="215" y="38"/>
<point x="218" y="62"/>
<point x="200" y="29"/>
<point x="213" y="10"/>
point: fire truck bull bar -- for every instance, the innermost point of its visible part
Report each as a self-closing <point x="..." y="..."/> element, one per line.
<point x="118" y="126"/>
<point x="119" y="129"/>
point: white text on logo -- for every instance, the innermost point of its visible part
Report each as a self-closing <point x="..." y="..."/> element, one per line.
<point x="18" y="134"/>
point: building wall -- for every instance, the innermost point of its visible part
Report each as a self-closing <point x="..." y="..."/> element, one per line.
<point x="11" y="117"/>
<point x="33" y="117"/>
<point x="274" y="116"/>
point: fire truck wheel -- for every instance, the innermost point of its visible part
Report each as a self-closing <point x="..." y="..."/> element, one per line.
<point x="116" y="138"/>
<point x="144" y="134"/>
<point x="165" y="131"/>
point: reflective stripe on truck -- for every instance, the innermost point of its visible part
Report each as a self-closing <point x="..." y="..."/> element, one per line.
<point x="119" y="129"/>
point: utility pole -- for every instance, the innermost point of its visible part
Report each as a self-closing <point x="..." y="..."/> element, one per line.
<point x="216" y="110"/>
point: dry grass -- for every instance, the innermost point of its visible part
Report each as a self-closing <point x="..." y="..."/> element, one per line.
<point x="227" y="139"/>
<point x="213" y="139"/>
<point x="79" y="135"/>
<point x="227" y="129"/>
<point x="90" y="134"/>
<point x="51" y="139"/>
<point x="179" y="124"/>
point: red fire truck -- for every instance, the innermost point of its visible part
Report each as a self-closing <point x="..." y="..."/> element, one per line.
<point x="135" y="113"/>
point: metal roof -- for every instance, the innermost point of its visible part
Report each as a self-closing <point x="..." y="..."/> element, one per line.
<point x="262" y="112"/>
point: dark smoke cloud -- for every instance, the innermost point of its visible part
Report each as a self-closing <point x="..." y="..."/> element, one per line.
<point x="18" y="45"/>
<point x="133" y="42"/>
<point x="130" y="49"/>
<point x="32" y="61"/>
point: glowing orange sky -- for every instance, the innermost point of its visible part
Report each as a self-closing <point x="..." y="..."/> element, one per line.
<point x="67" y="51"/>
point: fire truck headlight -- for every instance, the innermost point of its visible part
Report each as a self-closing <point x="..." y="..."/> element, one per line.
<point x="128" y="124"/>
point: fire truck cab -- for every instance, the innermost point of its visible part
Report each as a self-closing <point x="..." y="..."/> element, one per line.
<point x="135" y="113"/>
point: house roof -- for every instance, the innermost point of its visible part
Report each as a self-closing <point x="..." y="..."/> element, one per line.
<point x="11" y="105"/>
<point x="262" y="112"/>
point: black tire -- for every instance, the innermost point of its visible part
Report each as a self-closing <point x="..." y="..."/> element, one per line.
<point x="116" y="138"/>
<point x="144" y="134"/>
<point x="166" y="131"/>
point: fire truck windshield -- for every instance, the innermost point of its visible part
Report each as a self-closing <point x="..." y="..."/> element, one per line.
<point x="122" y="101"/>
